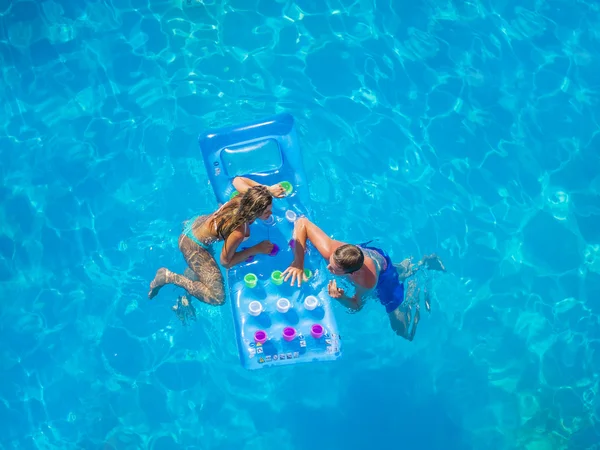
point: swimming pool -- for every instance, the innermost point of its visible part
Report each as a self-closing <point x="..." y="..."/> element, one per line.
<point x="469" y="129"/>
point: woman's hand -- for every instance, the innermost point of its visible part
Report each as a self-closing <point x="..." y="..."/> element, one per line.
<point x="334" y="291"/>
<point x="277" y="190"/>
<point x="296" y="271"/>
<point x="264" y="247"/>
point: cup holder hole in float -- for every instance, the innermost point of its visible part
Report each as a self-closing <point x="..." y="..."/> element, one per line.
<point x="289" y="333"/>
<point x="260" y="337"/>
<point x="311" y="302"/>
<point x="290" y="216"/>
<point x="277" y="277"/>
<point x="250" y="280"/>
<point x="269" y="220"/>
<point x="287" y="187"/>
<point x="255" y="308"/>
<point x="283" y="305"/>
<point x="317" y="331"/>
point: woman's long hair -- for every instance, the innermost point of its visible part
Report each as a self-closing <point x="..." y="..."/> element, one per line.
<point x="243" y="208"/>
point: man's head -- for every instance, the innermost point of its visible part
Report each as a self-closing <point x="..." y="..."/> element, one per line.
<point x="346" y="259"/>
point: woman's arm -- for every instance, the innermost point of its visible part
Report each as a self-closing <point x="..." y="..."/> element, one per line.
<point x="230" y="257"/>
<point x="242" y="184"/>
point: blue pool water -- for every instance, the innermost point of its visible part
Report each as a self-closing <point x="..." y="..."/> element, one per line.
<point x="470" y="129"/>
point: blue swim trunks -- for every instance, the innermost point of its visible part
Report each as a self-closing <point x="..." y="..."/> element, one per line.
<point x="389" y="288"/>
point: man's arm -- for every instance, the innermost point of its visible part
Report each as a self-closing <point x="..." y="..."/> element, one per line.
<point x="354" y="303"/>
<point x="305" y="230"/>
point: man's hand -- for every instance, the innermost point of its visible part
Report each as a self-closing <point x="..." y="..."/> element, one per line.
<point x="296" y="272"/>
<point x="334" y="291"/>
<point x="277" y="190"/>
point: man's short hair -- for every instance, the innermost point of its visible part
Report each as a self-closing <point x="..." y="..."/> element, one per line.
<point x="349" y="257"/>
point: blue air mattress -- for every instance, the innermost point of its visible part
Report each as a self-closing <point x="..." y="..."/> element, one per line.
<point x="275" y="324"/>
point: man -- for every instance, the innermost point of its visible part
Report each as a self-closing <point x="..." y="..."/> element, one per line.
<point x="368" y="269"/>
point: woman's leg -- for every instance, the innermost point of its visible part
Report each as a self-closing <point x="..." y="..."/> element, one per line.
<point x="209" y="286"/>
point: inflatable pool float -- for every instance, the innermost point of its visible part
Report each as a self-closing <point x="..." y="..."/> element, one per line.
<point x="275" y="324"/>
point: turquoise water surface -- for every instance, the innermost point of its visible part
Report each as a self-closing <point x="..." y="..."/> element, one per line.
<point x="466" y="128"/>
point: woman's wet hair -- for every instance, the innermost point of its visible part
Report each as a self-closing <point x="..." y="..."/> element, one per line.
<point x="243" y="208"/>
<point x="349" y="257"/>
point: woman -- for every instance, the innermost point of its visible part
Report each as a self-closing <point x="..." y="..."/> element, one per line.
<point x="230" y="223"/>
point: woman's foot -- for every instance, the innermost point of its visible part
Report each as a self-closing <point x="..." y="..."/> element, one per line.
<point x="160" y="279"/>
